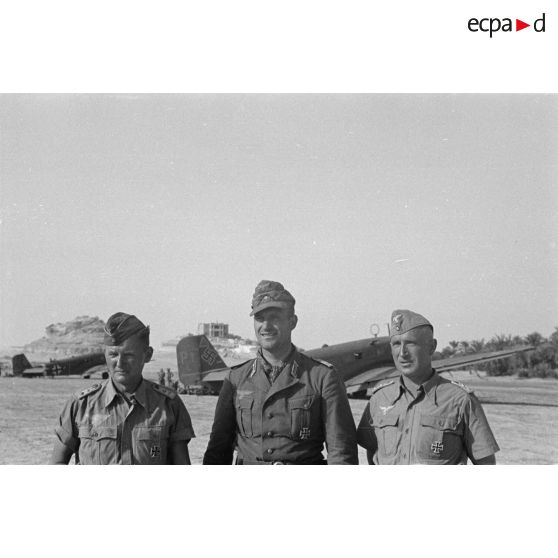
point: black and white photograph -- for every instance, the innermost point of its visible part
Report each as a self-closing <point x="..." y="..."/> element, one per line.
<point x="185" y="212"/>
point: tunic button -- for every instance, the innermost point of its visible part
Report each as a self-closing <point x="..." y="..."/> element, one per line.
<point x="269" y="450"/>
<point x="270" y="434"/>
<point x="94" y="434"/>
<point x="269" y="415"/>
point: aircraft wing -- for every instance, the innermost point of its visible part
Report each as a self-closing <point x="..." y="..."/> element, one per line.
<point x="100" y="370"/>
<point x="216" y="375"/>
<point x="34" y="371"/>
<point x="453" y="363"/>
<point x="365" y="380"/>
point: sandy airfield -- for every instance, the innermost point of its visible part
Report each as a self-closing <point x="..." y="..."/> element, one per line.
<point x="522" y="413"/>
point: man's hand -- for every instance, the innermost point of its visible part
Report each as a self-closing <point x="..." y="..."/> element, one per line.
<point x="178" y="453"/>
<point x="61" y="454"/>
<point x="490" y="460"/>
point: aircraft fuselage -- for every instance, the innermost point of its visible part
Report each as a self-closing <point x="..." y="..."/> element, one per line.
<point x="354" y="357"/>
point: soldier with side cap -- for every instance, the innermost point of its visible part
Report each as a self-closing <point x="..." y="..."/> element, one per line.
<point x="125" y="420"/>
<point x="282" y="406"/>
<point x="421" y="417"/>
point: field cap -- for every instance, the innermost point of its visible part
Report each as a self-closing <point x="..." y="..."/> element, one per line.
<point x="403" y="321"/>
<point x="271" y="294"/>
<point x="121" y="326"/>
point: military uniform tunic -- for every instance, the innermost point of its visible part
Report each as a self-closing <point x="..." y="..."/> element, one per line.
<point x="442" y="424"/>
<point x="286" y="421"/>
<point x="104" y="428"/>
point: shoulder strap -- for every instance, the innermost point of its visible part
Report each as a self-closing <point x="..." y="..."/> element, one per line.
<point x="164" y="390"/>
<point x="462" y="386"/>
<point x="89" y="390"/>
<point x="380" y="386"/>
<point x="324" y="362"/>
<point x="236" y="366"/>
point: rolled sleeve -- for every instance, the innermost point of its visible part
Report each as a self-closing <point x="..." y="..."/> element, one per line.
<point x="182" y="428"/>
<point x="479" y="439"/>
<point x="340" y="431"/>
<point x="66" y="429"/>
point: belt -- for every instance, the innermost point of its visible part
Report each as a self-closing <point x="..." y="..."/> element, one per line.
<point x="258" y="461"/>
<point x="242" y="461"/>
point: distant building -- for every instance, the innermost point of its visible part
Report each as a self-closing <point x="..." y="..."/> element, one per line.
<point x="214" y="329"/>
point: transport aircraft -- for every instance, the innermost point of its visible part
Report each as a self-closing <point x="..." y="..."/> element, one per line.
<point x="84" y="365"/>
<point x="360" y="363"/>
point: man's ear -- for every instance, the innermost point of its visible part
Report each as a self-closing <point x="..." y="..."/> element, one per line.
<point x="294" y="321"/>
<point x="148" y="354"/>
<point x="434" y="345"/>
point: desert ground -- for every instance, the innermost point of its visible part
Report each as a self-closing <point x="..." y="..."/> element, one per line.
<point x="522" y="412"/>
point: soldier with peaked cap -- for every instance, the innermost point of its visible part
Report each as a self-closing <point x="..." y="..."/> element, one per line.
<point x="282" y="406"/>
<point x="125" y="420"/>
<point x="421" y="417"/>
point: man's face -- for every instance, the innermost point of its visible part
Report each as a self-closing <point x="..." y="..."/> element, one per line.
<point x="412" y="352"/>
<point x="125" y="362"/>
<point x="273" y="328"/>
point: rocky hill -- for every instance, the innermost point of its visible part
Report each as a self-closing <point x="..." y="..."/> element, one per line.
<point x="80" y="336"/>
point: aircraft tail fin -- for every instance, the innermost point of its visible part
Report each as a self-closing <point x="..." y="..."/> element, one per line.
<point x="196" y="356"/>
<point x="19" y="364"/>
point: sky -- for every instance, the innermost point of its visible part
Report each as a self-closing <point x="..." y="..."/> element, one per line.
<point x="173" y="208"/>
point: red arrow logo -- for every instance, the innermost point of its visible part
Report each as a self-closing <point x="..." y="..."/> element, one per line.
<point x="519" y="25"/>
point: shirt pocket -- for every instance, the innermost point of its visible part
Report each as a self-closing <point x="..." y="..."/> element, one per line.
<point x="98" y="445"/>
<point x="87" y="447"/>
<point x="439" y="439"/>
<point x="244" y="419"/>
<point x="387" y="433"/>
<point x="301" y="417"/>
<point x="149" y="445"/>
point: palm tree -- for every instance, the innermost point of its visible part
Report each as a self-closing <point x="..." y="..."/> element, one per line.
<point x="534" y="339"/>
<point x="477" y="345"/>
<point x="500" y="342"/>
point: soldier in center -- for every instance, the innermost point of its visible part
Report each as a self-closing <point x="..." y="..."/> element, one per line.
<point x="281" y="407"/>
